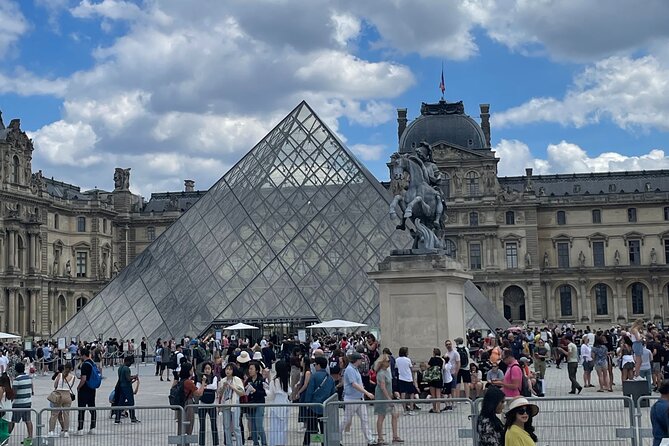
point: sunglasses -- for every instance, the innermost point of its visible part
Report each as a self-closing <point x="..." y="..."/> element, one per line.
<point x="523" y="411"/>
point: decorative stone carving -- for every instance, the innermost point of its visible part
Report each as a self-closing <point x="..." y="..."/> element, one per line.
<point x="121" y="179"/>
<point x="616" y="257"/>
<point x="547" y="262"/>
<point x="653" y="257"/>
<point x="68" y="269"/>
<point x="581" y="259"/>
<point x="37" y="182"/>
<point x="528" y="260"/>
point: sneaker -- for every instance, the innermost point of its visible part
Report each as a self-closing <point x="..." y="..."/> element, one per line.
<point x="66" y="434"/>
<point x="91" y="432"/>
<point x="51" y="434"/>
<point x="117" y="422"/>
<point x="27" y="441"/>
<point x="135" y="421"/>
<point x="79" y="432"/>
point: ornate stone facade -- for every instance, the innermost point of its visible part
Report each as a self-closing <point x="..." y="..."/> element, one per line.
<point x="587" y="248"/>
<point x="58" y="245"/>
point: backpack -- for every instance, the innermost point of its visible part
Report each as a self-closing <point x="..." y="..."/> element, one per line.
<point x="363" y="368"/>
<point x="40" y="353"/>
<point x="177" y="396"/>
<point x="464" y="357"/>
<point x="432" y="374"/>
<point x="95" y="379"/>
<point x="525" y="389"/>
<point x="173" y="361"/>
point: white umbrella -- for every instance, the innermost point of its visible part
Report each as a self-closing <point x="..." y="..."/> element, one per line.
<point x="4" y="335"/>
<point x="241" y="326"/>
<point x="337" y="323"/>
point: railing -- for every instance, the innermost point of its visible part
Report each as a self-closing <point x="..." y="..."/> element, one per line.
<point x="561" y="421"/>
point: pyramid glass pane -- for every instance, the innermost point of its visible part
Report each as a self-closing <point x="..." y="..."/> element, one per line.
<point x="288" y="233"/>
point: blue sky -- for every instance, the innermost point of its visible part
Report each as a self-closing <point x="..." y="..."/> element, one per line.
<point x="180" y="89"/>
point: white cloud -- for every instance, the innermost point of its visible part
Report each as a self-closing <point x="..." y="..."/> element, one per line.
<point x="64" y="143"/>
<point x="346" y="27"/>
<point x="565" y="157"/>
<point x="24" y="83"/>
<point x="108" y="9"/>
<point x="12" y="25"/>
<point x="630" y="92"/>
<point x="368" y="152"/>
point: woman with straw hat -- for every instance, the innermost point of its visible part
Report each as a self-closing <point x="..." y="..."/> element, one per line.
<point x="518" y="427"/>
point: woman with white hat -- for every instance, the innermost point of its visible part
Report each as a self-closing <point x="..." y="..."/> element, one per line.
<point x="518" y="427"/>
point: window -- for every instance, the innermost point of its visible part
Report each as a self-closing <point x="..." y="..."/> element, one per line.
<point x="446" y="186"/>
<point x="150" y="233"/>
<point x="561" y="218"/>
<point x="475" y="256"/>
<point x="631" y="215"/>
<point x="601" y="299"/>
<point x="472" y="181"/>
<point x="473" y="219"/>
<point x="81" y="263"/>
<point x="666" y="251"/>
<point x="451" y="248"/>
<point x="81" y="224"/>
<point x="16" y="169"/>
<point x="666" y="213"/>
<point x="598" y="259"/>
<point x="512" y="255"/>
<point x="565" y="300"/>
<point x="104" y="225"/>
<point x="563" y="255"/>
<point x="637" y="298"/>
<point x="510" y="218"/>
<point x="635" y="252"/>
<point x="596" y="216"/>
<point x="81" y="303"/>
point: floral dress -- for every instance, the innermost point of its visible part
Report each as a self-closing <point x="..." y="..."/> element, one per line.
<point x="490" y="432"/>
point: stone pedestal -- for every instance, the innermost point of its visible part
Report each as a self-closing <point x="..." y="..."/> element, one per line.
<point x="421" y="302"/>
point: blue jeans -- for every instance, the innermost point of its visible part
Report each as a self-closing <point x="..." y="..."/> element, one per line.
<point x="648" y="376"/>
<point x="230" y="424"/>
<point x="257" y="415"/>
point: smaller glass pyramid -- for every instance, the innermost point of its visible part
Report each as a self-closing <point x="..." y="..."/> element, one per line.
<point x="289" y="232"/>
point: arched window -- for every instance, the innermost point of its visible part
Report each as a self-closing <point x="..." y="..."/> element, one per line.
<point x="16" y="169"/>
<point x="20" y="248"/>
<point x="473" y="219"/>
<point x="62" y="310"/>
<point x="636" y="291"/>
<point x="565" y="301"/>
<point x="451" y="248"/>
<point x="601" y="299"/>
<point x="472" y="181"/>
<point x="561" y="218"/>
<point x="81" y="303"/>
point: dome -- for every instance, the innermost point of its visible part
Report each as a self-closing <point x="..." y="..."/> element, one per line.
<point x="443" y="122"/>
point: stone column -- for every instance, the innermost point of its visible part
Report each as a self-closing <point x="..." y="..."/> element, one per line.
<point x="3" y="309"/>
<point x="33" y="308"/>
<point x="586" y="307"/>
<point x="495" y="259"/>
<point x="620" y="296"/>
<point x="10" y="250"/>
<point x="3" y="252"/>
<point x="11" y="308"/>
<point x="654" y="297"/>
<point x="31" y="251"/>
<point x="529" y="305"/>
<point x="550" y="303"/>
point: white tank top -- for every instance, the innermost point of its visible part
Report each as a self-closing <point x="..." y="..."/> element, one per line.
<point x="65" y="384"/>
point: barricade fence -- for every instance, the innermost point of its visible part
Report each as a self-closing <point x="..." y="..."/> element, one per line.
<point x="586" y="420"/>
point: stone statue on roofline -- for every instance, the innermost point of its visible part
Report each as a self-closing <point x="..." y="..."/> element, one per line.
<point x="121" y="179"/>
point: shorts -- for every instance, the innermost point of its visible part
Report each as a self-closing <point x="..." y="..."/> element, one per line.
<point x="447" y="389"/>
<point x="628" y="366"/>
<point x="464" y="376"/>
<point x="437" y="384"/>
<point x="21" y="415"/>
<point x="657" y="367"/>
<point x="588" y="366"/>
<point x="637" y="348"/>
<point x="406" y="387"/>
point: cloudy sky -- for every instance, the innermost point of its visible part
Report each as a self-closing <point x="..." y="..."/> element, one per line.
<point x="180" y="89"/>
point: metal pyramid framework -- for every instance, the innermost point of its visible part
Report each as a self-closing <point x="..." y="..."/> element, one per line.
<point x="288" y="233"/>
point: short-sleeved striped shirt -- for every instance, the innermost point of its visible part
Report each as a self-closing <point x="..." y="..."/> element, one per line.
<point x="23" y="390"/>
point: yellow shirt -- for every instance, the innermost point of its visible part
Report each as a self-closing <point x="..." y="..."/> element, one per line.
<point x="517" y="436"/>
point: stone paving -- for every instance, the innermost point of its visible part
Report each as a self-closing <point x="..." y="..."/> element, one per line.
<point x="570" y="420"/>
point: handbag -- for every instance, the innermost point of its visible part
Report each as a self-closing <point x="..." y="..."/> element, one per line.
<point x="54" y="397"/>
<point x="71" y="393"/>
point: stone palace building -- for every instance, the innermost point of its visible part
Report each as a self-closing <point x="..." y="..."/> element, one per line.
<point x="58" y="245"/>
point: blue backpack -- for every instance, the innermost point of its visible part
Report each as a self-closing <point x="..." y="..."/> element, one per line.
<point x="95" y="379"/>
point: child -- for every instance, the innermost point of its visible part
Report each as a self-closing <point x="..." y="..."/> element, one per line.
<point x="423" y="385"/>
<point x="30" y="367"/>
<point x="448" y="378"/>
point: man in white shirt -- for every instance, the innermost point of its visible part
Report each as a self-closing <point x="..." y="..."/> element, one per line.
<point x="463" y="374"/>
<point x="4" y="362"/>
<point x="454" y="361"/>
<point x="180" y="355"/>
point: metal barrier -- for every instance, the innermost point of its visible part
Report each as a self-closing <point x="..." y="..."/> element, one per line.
<point x="453" y="427"/>
<point x="20" y="432"/>
<point x="642" y="414"/>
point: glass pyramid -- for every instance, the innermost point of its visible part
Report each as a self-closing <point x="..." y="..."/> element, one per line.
<point x="289" y="232"/>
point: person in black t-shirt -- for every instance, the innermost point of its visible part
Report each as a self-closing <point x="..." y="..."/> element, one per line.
<point x="86" y="394"/>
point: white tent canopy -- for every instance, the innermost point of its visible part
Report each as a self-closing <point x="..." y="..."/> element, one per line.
<point x="337" y="323"/>
<point x="241" y="326"/>
<point x="4" y="335"/>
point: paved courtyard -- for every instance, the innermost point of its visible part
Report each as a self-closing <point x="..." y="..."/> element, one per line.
<point x="569" y="420"/>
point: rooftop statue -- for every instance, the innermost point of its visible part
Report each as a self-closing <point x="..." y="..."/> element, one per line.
<point x="416" y="184"/>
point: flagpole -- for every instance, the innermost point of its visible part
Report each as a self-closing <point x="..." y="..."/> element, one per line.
<point x="442" y="85"/>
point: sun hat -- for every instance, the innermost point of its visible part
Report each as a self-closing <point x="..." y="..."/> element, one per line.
<point x="243" y="357"/>
<point x="520" y="402"/>
<point x="257" y="356"/>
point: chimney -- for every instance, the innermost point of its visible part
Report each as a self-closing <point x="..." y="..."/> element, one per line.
<point x="528" y="172"/>
<point x="401" y="122"/>
<point x="189" y="185"/>
<point x="485" y="122"/>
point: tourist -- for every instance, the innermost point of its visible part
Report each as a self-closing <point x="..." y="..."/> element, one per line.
<point x="277" y="393"/>
<point x="494" y="376"/>
<point x="64" y="386"/>
<point x="513" y="378"/>
<point x="433" y="376"/>
<point x="659" y="414"/>
<point x="454" y="361"/>
<point x="600" y="358"/>
<point x="572" y="364"/>
<point x="355" y="391"/>
<point x="637" y="345"/>
<point x="165" y="356"/>
<point x="488" y="425"/>
<point x="447" y="378"/>
<point x="210" y="383"/>
<point x="321" y="387"/>
<point x="186" y="379"/>
<point x="645" y="371"/>
<point x="384" y="392"/>
<point x="406" y="384"/>
<point x="476" y="386"/>
<point x="124" y="395"/>
<point x="256" y="392"/>
<point x="230" y="389"/>
<point x="463" y="373"/>
<point x="299" y="393"/>
<point x="85" y="393"/>
<point x="295" y="362"/>
<point x="626" y="359"/>
<point x="586" y="360"/>
<point x="6" y="397"/>
<point x="518" y="426"/>
<point x="23" y="393"/>
<point x="540" y="357"/>
<point x="655" y="346"/>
